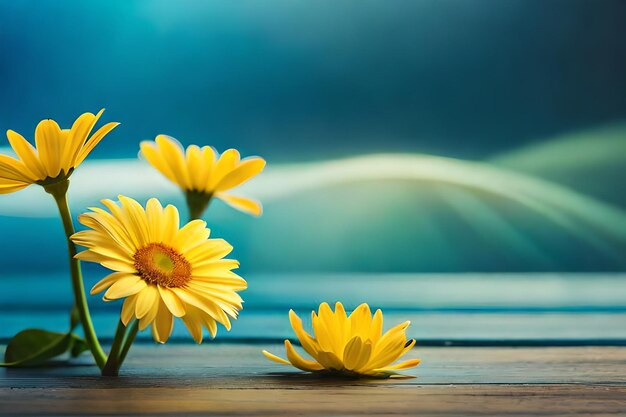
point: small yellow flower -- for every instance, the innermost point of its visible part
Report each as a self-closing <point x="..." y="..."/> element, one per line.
<point x="161" y="271"/>
<point x="349" y="345"/>
<point x="202" y="174"/>
<point x="58" y="151"/>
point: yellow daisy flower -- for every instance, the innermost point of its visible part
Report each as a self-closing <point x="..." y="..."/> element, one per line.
<point x="162" y="271"/>
<point x="202" y="174"/>
<point x="348" y="345"/>
<point x="58" y="151"/>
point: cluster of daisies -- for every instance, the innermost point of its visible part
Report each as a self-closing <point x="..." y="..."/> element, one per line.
<point x="163" y="268"/>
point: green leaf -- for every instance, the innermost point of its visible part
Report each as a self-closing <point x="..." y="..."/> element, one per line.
<point x="33" y="347"/>
<point x="80" y="345"/>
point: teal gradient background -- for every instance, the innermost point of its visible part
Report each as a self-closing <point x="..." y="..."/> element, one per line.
<point x="459" y="163"/>
<point x="528" y="88"/>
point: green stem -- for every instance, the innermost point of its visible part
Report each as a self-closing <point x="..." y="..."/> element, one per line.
<point x="130" y="338"/>
<point x="197" y="203"/>
<point x="112" y="366"/>
<point x="121" y="345"/>
<point x="59" y="191"/>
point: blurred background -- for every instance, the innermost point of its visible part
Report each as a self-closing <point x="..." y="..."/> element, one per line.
<point x="436" y="157"/>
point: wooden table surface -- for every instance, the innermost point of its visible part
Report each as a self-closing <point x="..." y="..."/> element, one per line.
<point x="235" y="379"/>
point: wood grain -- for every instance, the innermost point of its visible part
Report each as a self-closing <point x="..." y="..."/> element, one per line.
<point x="234" y="379"/>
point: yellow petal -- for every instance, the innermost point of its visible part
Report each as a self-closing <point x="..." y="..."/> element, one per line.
<point x="248" y="169"/>
<point x="11" y="188"/>
<point x="118" y="265"/>
<point x="216" y="267"/>
<point x="118" y="224"/>
<point x="322" y="334"/>
<point x="14" y="170"/>
<point x="408" y="346"/>
<point x="153" y="155"/>
<point x="173" y="303"/>
<point x="306" y="340"/>
<point x="111" y="263"/>
<point x="208" y="253"/>
<point x="191" y="235"/>
<point x="329" y="360"/>
<point x="163" y="324"/>
<point x="107" y="281"/>
<point x="125" y="286"/>
<point x="392" y="335"/>
<point x="275" y="358"/>
<point x="210" y="324"/>
<point x="361" y="321"/>
<point x="208" y="164"/>
<point x="110" y="227"/>
<point x="376" y="329"/>
<point x="224" y="165"/>
<point x="387" y="350"/>
<point x="340" y="311"/>
<point x="146" y="299"/>
<point x="402" y="365"/>
<point x="27" y="153"/>
<point x="146" y="320"/>
<point x="343" y="324"/>
<point x="364" y="355"/>
<point x="170" y="223"/>
<point x="247" y="205"/>
<point x="154" y="215"/>
<point x="298" y="361"/>
<point x="226" y="279"/>
<point x="128" y="309"/>
<point x="137" y="218"/>
<point x="332" y="334"/>
<point x="356" y="354"/>
<point x="222" y="303"/>
<point x="107" y="249"/>
<point x="226" y="299"/>
<point x="90" y="256"/>
<point x="78" y="135"/>
<point x="48" y="142"/>
<point x="193" y="321"/>
<point x="102" y="244"/>
<point x="203" y="304"/>
<point x="196" y="168"/>
<point x="172" y="153"/>
<point x="93" y="141"/>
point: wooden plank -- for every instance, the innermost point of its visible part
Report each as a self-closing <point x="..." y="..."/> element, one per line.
<point x="243" y="366"/>
<point x="234" y="379"/>
<point x="472" y="400"/>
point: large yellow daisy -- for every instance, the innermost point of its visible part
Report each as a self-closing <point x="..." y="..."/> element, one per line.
<point x="162" y="271"/>
<point x="349" y="345"/>
<point x="58" y="151"/>
<point x="203" y="174"/>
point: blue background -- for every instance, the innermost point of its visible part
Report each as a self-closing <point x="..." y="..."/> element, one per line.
<point x="531" y="87"/>
<point x="525" y="99"/>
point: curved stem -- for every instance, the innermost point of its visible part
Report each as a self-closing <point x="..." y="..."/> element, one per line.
<point x="59" y="192"/>
<point x="121" y="345"/>
<point x="130" y="338"/>
<point x="112" y="367"/>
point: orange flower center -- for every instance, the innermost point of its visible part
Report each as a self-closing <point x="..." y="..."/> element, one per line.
<point x="162" y="265"/>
